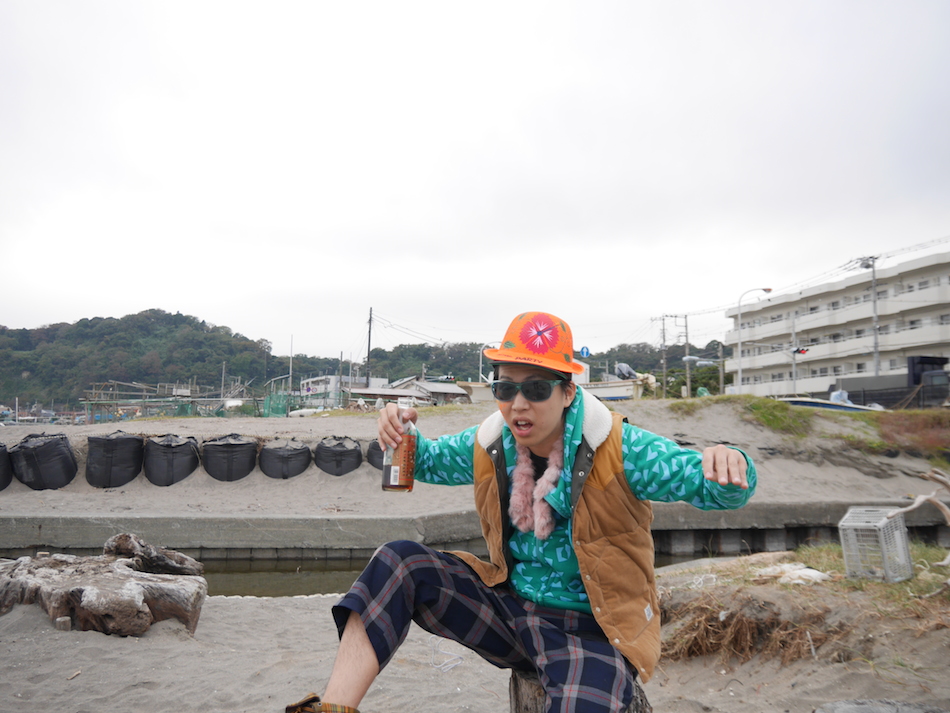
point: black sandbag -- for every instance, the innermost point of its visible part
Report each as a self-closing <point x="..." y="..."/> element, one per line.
<point x="170" y="459"/>
<point x="44" y="462"/>
<point x="337" y="455"/>
<point x="230" y="457"/>
<point x="6" y="468"/>
<point x="284" y="459"/>
<point x="114" y="460"/>
<point x="374" y="454"/>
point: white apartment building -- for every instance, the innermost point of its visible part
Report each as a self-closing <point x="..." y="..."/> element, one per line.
<point x="834" y="322"/>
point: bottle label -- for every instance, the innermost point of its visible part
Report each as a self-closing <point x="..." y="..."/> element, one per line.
<point x="398" y="475"/>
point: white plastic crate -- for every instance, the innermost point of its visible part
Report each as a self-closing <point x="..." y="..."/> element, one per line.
<point x="874" y="546"/>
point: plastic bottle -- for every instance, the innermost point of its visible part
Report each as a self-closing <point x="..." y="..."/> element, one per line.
<point x="399" y="464"/>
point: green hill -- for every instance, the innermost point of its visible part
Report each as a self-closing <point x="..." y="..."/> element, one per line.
<point x="55" y="364"/>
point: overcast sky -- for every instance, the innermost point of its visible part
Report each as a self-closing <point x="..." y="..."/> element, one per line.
<point x="282" y="167"/>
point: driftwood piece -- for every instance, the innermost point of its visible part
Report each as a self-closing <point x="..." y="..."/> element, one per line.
<point x="527" y="696"/>
<point x="935" y="475"/>
<point x="108" y="593"/>
<point x="148" y="558"/>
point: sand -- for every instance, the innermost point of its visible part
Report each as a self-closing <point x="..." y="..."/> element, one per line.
<point x="258" y="654"/>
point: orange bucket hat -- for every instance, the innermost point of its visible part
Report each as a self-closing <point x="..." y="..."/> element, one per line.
<point x="538" y="339"/>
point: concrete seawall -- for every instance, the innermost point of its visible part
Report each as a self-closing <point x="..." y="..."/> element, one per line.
<point x="805" y="487"/>
<point x="678" y="530"/>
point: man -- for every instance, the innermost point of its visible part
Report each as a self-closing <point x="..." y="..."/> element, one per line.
<point x="562" y="488"/>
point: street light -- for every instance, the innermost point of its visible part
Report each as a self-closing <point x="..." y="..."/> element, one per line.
<point x="739" y="332"/>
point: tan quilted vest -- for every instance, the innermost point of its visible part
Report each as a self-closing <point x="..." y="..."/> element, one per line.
<point x="611" y="538"/>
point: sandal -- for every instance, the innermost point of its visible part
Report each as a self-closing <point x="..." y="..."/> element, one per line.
<point x="311" y="704"/>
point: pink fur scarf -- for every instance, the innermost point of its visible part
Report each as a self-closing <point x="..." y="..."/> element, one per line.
<point x="528" y="508"/>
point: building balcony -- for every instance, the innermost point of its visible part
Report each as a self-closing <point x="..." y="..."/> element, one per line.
<point x="856" y="315"/>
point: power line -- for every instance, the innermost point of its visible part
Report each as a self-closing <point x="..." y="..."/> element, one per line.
<point x="829" y="274"/>
<point x="388" y="323"/>
<point x="921" y="246"/>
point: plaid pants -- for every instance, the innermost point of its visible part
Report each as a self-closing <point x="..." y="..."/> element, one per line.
<point x="581" y="672"/>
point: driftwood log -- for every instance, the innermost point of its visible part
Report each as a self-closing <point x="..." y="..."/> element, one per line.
<point x="935" y="475"/>
<point x="527" y="696"/>
<point x="122" y="591"/>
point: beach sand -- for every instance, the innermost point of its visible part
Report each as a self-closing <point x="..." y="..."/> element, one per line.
<point x="259" y="654"/>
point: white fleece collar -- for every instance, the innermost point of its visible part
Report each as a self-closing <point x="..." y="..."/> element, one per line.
<point x="596" y="428"/>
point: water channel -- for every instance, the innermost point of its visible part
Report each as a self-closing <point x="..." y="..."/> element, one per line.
<point x="288" y="578"/>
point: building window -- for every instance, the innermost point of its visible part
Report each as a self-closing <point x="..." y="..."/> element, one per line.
<point x="836" y="370"/>
<point x="945" y="319"/>
<point x="812" y="310"/>
<point x="914" y="324"/>
<point x="836" y="337"/>
<point x="778" y="377"/>
<point x="859" y="333"/>
<point x="923" y="284"/>
<point x="757" y="380"/>
<point x="861" y="367"/>
<point x="776" y="318"/>
<point x="866" y="297"/>
<point x="884" y="329"/>
<point x="835" y="305"/>
<point x="823" y="371"/>
<point x="814" y="340"/>
<point x="892" y="364"/>
<point x="813" y="372"/>
<point x="882" y="295"/>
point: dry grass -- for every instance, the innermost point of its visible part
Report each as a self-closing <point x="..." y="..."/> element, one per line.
<point x="747" y="624"/>
<point x="920" y="433"/>
<point x="927" y="432"/>
<point x="740" y="615"/>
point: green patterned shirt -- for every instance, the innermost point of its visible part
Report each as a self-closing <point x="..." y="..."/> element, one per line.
<point x="546" y="571"/>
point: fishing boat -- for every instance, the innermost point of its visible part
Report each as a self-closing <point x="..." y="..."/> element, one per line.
<point x="826" y="404"/>
<point x="618" y="390"/>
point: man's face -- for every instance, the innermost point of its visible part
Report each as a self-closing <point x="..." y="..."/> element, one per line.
<point x="538" y="425"/>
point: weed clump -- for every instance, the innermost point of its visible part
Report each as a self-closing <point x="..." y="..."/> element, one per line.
<point x="779" y="416"/>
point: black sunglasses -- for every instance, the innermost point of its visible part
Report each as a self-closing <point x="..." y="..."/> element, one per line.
<point x="532" y="390"/>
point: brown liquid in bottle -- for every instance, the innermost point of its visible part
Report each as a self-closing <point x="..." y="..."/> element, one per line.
<point x="399" y="463"/>
<point x="398" y="472"/>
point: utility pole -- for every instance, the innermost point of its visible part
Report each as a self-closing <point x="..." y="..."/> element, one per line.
<point x="339" y="382"/>
<point x="794" y="356"/>
<point x="871" y="262"/>
<point x="689" y="390"/>
<point x="290" y="391"/>
<point x="369" y="345"/>
<point x="663" y="352"/>
<point x="722" y="371"/>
